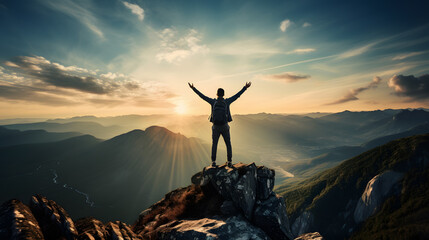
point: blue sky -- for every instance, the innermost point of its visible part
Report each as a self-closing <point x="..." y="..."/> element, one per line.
<point x="66" y="58"/>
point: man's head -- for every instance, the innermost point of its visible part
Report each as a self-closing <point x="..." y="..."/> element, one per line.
<point x="220" y="92"/>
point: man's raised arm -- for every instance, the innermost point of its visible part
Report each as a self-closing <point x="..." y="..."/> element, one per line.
<point x="237" y="95"/>
<point x="204" y="97"/>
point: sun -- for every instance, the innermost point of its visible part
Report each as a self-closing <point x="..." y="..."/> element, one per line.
<point x="180" y="109"/>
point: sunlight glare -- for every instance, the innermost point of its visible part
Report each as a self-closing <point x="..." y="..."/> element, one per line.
<point x="180" y="108"/>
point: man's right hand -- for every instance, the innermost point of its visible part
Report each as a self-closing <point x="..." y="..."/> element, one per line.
<point x="191" y="85"/>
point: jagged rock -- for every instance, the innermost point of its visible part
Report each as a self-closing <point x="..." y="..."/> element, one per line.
<point x="211" y="228"/>
<point x="243" y="184"/>
<point x="244" y="193"/>
<point x="120" y="231"/>
<point x="91" y="229"/>
<point x="302" y="223"/>
<point x="270" y="215"/>
<point x="222" y="178"/>
<point x="310" y="236"/>
<point x="237" y="184"/>
<point x="265" y="185"/>
<point x="53" y="219"/>
<point x="375" y="192"/>
<point x="17" y="222"/>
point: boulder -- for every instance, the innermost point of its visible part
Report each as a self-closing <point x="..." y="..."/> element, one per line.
<point x="265" y="185"/>
<point x="223" y="179"/>
<point x="18" y="222"/>
<point x="232" y="228"/>
<point x="375" y="193"/>
<point x="270" y="215"/>
<point x="237" y="184"/>
<point x="244" y="191"/>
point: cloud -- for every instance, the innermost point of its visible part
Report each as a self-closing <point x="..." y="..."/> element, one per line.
<point x="285" y="24"/>
<point x="302" y="50"/>
<point x="416" y="88"/>
<point x="285" y="77"/>
<point x="55" y="74"/>
<point x="356" y="51"/>
<point x="80" y="13"/>
<point x="407" y="55"/>
<point x="135" y="9"/>
<point x="352" y="94"/>
<point x="306" y="24"/>
<point x="175" y="47"/>
<point x="28" y="94"/>
<point x="38" y="80"/>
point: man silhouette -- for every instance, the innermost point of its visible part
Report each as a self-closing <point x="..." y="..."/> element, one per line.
<point x="220" y="116"/>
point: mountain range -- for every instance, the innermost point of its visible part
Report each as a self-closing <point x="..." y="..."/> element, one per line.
<point x="380" y="194"/>
<point x="88" y="174"/>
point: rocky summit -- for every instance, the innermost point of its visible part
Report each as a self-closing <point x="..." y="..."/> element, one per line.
<point x="250" y="189"/>
<point x="222" y="203"/>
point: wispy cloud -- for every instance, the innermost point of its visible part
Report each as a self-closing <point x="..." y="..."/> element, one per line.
<point x="135" y="9"/>
<point x="285" y="24"/>
<point x="285" y="77"/>
<point x="275" y="67"/>
<point x="306" y="24"/>
<point x="415" y="88"/>
<point x="356" y="51"/>
<point x="78" y="12"/>
<point x="353" y="93"/>
<point x="302" y="50"/>
<point x="176" y="47"/>
<point x="407" y="55"/>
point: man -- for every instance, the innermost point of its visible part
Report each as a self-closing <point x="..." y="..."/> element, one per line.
<point x="220" y="116"/>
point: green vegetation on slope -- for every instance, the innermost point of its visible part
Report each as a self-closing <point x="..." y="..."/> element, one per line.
<point x="402" y="217"/>
<point x="336" y="190"/>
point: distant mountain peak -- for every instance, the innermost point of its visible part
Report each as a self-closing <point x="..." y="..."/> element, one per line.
<point x="158" y="129"/>
<point x="413" y="114"/>
<point x="152" y="132"/>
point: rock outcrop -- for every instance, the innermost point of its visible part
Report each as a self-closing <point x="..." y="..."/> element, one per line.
<point x="18" y="222"/>
<point x="45" y="219"/>
<point x="249" y="189"/>
<point x="375" y="192"/>
<point x="52" y="218"/>
<point x="302" y="223"/>
<point x="235" y="227"/>
<point x="223" y="203"/>
<point x="310" y="236"/>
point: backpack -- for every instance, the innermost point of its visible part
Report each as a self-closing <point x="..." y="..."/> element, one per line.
<point x="219" y="113"/>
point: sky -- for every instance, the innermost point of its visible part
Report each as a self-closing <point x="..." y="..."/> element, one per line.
<point x="112" y="57"/>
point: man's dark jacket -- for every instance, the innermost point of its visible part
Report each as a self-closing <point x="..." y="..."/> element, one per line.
<point x="228" y="101"/>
